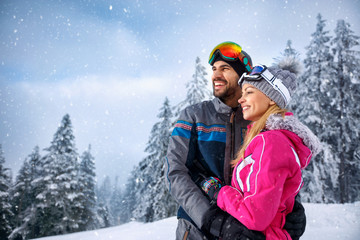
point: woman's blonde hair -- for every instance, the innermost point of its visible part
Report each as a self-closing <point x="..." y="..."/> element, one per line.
<point x="256" y="129"/>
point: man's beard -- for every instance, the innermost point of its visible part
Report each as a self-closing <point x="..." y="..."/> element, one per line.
<point x="228" y="93"/>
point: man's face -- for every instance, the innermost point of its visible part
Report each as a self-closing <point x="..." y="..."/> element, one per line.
<point x="225" y="83"/>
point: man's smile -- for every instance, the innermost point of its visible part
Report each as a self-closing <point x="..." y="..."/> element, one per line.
<point x="219" y="84"/>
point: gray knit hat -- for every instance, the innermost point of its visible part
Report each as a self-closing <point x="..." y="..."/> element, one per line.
<point x="280" y="84"/>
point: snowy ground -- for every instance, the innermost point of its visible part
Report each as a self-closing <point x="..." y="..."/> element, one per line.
<point x="331" y="221"/>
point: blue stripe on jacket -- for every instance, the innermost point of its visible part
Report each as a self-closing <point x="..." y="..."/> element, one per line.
<point x="182" y="129"/>
<point x="216" y="132"/>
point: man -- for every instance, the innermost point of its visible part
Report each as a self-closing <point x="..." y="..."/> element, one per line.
<point x="204" y="141"/>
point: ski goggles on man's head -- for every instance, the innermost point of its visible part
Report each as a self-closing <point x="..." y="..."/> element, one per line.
<point x="229" y="51"/>
<point x="260" y="72"/>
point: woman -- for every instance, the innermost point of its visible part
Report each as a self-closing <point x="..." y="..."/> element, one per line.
<point x="267" y="170"/>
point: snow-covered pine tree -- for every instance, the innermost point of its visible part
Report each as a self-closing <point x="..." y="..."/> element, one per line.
<point x="163" y="205"/>
<point x="128" y="198"/>
<point x="152" y="198"/>
<point x="143" y="203"/>
<point x="116" y="203"/>
<point x="87" y="184"/>
<point x="103" y="194"/>
<point x="311" y="104"/>
<point x="345" y="105"/>
<point x="5" y="207"/>
<point x="58" y="204"/>
<point x="289" y="51"/>
<point x="103" y="215"/>
<point x="197" y="89"/>
<point x="23" y="197"/>
<point x="21" y="201"/>
<point x="357" y="166"/>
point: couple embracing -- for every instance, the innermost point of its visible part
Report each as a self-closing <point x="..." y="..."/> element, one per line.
<point x="234" y="163"/>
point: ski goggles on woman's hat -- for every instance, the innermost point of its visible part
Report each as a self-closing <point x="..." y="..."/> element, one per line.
<point x="230" y="51"/>
<point x="260" y="72"/>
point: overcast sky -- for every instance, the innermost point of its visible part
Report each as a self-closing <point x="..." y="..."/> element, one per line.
<point x="110" y="64"/>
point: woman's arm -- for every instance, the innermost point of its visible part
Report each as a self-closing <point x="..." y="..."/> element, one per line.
<point x="262" y="183"/>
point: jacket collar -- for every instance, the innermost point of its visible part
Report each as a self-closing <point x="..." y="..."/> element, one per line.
<point x="221" y="107"/>
<point x="292" y="124"/>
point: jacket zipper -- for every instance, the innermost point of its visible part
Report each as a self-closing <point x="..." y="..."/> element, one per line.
<point x="232" y="154"/>
<point x="227" y="167"/>
<point x="186" y="232"/>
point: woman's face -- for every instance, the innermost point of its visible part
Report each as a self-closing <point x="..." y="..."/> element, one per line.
<point x="254" y="103"/>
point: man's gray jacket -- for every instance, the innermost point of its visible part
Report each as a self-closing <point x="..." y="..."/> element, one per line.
<point x="204" y="141"/>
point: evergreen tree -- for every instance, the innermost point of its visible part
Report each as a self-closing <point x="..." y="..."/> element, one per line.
<point x="289" y="51"/>
<point x="58" y="201"/>
<point x="153" y="201"/>
<point x="197" y="88"/>
<point x="24" y="197"/>
<point x="164" y="205"/>
<point x="345" y="94"/>
<point x="87" y="185"/>
<point x="103" y="194"/>
<point x="128" y="198"/>
<point x="5" y="207"/>
<point x="142" y="208"/>
<point x="311" y="105"/>
<point x="103" y="215"/>
<point x="116" y="203"/>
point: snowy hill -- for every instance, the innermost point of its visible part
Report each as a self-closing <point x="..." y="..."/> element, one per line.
<point x="325" y="221"/>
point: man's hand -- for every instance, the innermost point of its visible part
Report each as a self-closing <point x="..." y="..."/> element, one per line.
<point x="219" y="224"/>
<point x="211" y="186"/>
<point x="235" y="230"/>
<point x="296" y="221"/>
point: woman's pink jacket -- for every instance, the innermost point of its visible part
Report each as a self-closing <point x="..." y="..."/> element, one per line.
<point x="265" y="183"/>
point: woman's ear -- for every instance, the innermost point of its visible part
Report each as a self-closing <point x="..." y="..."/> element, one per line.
<point x="272" y="103"/>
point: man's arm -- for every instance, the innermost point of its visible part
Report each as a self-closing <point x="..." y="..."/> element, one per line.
<point x="177" y="178"/>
